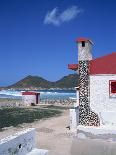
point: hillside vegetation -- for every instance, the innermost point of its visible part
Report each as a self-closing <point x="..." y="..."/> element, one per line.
<point x="68" y="81"/>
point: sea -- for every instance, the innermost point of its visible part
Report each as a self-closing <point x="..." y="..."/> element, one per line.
<point x="44" y="94"/>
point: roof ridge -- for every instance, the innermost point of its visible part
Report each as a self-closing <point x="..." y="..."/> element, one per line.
<point x="104" y="56"/>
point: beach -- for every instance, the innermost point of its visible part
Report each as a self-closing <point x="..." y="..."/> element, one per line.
<point x="53" y="134"/>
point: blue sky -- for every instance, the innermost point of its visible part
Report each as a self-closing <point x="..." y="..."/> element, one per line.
<point x="37" y="37"/>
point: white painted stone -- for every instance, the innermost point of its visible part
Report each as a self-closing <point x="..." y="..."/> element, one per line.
<point x="100" y="99"/>
<point x="76" y="104"/>
<point x="81" y="136"/>
<point x="77" y="96"/>
<point x="74" y="118"/>
<point x="18" y="144"/>
<point x="108" y="117"/>
<point x="29" y="99"/>
<point x="84" y="53"/>
<point x="8" y="104"/>
<point x="38" y="152"/>
<point x="101" y="130"/>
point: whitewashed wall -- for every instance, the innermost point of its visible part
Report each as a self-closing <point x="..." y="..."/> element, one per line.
<point x="74" y="118"/>
<point x="99" y="93"/>
<point x="84" y="53"/>
<point x="18" y="144"/>
<point x="28" y="99"/>
<point x="77" y="96"/>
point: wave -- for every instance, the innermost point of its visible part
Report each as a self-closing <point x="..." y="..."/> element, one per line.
<point x="43" y="94"/>
<point x="11" y="93"/>
<point x="72" y="98"/>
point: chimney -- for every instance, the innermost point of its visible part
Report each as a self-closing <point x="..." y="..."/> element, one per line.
<point x="84" y="49"/>
<point x="84" y="56"/>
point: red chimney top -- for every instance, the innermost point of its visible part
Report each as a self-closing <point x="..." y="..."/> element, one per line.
<point x="83" y="39"/>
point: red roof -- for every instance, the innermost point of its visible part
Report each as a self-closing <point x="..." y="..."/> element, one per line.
<point x="29" y="93"/>
<point x="103" y="65"/>
<point x="84" y="39"/>
<point x="73" y="66"/>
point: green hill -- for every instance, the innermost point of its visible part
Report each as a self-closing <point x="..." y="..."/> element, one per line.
<point x="69" y="81"/>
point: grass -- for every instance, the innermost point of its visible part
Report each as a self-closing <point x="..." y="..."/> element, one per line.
<point x="9" y="99"/>
<point x="16" y="116"/>
<point x="58" y="107"/>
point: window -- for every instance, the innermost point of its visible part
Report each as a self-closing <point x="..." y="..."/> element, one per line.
<point x="112" y="88"/>
<point x="83" y="43"/>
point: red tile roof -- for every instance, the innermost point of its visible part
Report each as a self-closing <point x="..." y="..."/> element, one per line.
<point x="103" y="65"/>
<point x="30" y="93"/>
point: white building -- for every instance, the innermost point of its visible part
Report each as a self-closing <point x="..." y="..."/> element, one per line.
<point x="97" y="83"/>
<point x="30" y="98"/>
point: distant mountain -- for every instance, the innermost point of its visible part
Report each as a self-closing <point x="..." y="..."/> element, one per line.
<point x="69" y="81"/>
<point x="32" y="81"/>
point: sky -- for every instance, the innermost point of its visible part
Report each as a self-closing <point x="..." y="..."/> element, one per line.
<point x="37" y="37"/>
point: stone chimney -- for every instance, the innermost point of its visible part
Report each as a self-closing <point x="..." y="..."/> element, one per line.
<point x="86" y="116"/>
<point x="84" y="49"/>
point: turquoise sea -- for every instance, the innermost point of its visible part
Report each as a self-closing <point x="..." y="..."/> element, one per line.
<point x="44" y="94"/>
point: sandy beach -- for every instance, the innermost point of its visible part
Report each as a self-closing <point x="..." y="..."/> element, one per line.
<point x="53" y="134"/>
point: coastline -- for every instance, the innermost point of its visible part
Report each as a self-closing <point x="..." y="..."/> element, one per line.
<point x="18" y="102"/>
<point x="35" y="88"/>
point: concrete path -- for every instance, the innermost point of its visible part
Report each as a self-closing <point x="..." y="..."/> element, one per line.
<point x="93" y="147"/>
<point x="54" y="136"/>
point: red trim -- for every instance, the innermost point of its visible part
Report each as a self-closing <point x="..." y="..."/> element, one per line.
<point x="112" y="90"/>
<point x="109" y="88"/>
<point x="73" y="66"/>
<point x="83" y="39"/>
<point x="30" y="93"/>
<point x="113" y="87"/>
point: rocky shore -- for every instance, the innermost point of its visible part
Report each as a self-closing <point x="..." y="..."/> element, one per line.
<point x="19" y="103"/>
<point x="59" y="102"/>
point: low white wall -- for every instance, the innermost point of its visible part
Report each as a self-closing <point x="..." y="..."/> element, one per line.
<point x="28" y="99"/>
<point x="108" y="118"/>
<point x="99" y="93"/>
<point x="8" y="104"/>
<point x="18" y="144"/>
<point x="38" y="152"/>
<point x="74" y="118"/>
<point x="77" y="96"/>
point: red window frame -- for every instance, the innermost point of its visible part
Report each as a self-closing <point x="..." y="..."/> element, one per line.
<point x="112" y="87"/>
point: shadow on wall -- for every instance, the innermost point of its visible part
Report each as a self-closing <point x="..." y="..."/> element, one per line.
<point x="92" y="147"/>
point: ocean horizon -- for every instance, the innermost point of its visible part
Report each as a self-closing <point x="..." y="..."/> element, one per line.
<point x="44" y="94"/>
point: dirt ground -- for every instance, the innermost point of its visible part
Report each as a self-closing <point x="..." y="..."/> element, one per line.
<point x="53" y="135"/>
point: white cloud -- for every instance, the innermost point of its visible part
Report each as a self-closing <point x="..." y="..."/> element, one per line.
<point x="56" y="18"/>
